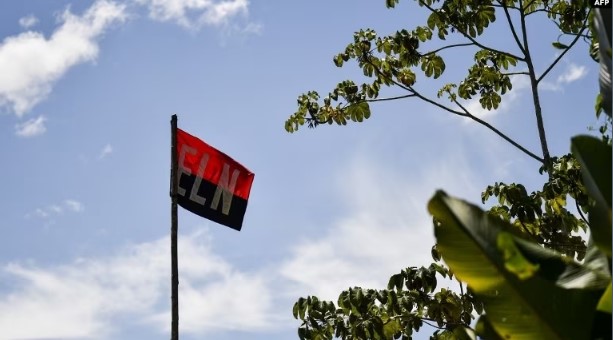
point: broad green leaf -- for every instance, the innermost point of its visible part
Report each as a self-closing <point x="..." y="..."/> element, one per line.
<point x="594" y="156"/>
<point x="359" y="110"/>
<point x="514" y="261"/>
<point x="604" y="305"/>
<point x="532" y="308"/>
<point x="484" y="329"/>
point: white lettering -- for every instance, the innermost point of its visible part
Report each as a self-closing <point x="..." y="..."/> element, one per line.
<point x="225" y="190"/>
<point x="193" y="195"/>
<point x="182" y="169"/>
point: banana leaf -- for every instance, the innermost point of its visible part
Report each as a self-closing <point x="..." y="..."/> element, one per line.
<point x="516" y="280"/>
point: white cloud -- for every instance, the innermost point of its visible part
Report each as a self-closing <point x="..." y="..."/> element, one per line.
<point x="28" y="21"/>
<point x="31" y="63"/>
<point x="41" y="213"/>
<point x="252" y="28"/>
<point x="73" y="205"/>
<point x="572" y="73"/>
<point x="90" y="298"/>
<point x="57" y="209"/>
<point x="196" y="13"/>
<point x="107" y="150"/>
<point x="32" y="127"/>
<point x="386" y="229"/>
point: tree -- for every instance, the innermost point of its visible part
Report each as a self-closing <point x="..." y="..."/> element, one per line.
<point x="530" y="238"/>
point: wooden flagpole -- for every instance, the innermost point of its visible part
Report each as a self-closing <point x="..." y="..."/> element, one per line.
<point x="174" y="263"/>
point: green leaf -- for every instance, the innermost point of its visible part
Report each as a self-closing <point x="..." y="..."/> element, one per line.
<point x="295" y="310"/>
<point x="594" y="156"/>
<point x="514" y="261"/>
<point x="598" y="105"/>
<point x="359" y="110"/>
<point x="532" y="308"/>
<point x="484" y="329"/>
<point x="559" y="45"/>
<point x="604" y="305"/>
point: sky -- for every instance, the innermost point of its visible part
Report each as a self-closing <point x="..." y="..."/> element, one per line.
<point x="87" y="89"/>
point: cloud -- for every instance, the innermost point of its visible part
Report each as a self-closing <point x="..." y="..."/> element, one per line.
<point x="194" y="14"/>
<point x="91" y="298"/>
<point x="57" y="209"/>
<point x="30" y="63"/>
<point x="32" y="127"/>
<point x="572" y="73"/>
<point x="28" y="21"/>
<point x="385" y="229"/>
<point x="107" y="150"/>
<point x="73" y="205"/>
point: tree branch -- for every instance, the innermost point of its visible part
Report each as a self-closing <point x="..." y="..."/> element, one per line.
<point x="515" y="73"/>
<point x="501" y="6"/>
<point x="389" y="98"/>
<point x="506" y="13"/>
<point x="473" y="40"/>
<point x="561" y="54"/>
<point x="466" y="113"/>
<point x="527" y="5"/>
<point x="581" y="214"/>
<point x="535" y="95"/>
<point x="426" y="99"/>
<point x="427" y="322"/>
<point x="498" y="132"/>
<point x="412" y="91"/>
<point x="448" y="46"/>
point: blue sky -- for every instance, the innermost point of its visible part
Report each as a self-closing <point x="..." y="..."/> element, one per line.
<point x="87" y="89"/>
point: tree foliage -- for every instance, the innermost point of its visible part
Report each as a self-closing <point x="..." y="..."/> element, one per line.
<point x="521" y="267"/>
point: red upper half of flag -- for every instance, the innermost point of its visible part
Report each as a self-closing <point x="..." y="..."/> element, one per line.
<point x="202" y="160"/>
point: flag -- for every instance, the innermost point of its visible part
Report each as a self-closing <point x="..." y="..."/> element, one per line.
<point x="211" y="184"/>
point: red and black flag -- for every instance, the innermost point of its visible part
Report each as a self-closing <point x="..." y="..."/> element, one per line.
<point x="211" y="184"/>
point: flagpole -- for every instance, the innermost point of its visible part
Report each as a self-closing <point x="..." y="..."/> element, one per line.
<point x="174" y="263"/>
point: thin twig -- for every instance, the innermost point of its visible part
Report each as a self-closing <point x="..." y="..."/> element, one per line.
<point x="523" y="8"/>
<point x="466" y="113"/>
<point x="431" y="325"/>
<point x="448" y="46"/>
<point x="498" y="132"/>
<point x="501" y="6"/>
<point x="515" y="73"/>
<point x="562" y="54"/>
<point x="413" y="91"/>
<point x="581" y="214"/>
<point x="506" y="13"/>
<point x="389" y="98"/>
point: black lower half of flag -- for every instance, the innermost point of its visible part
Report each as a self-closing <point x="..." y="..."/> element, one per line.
<point x="210" y="201"/>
